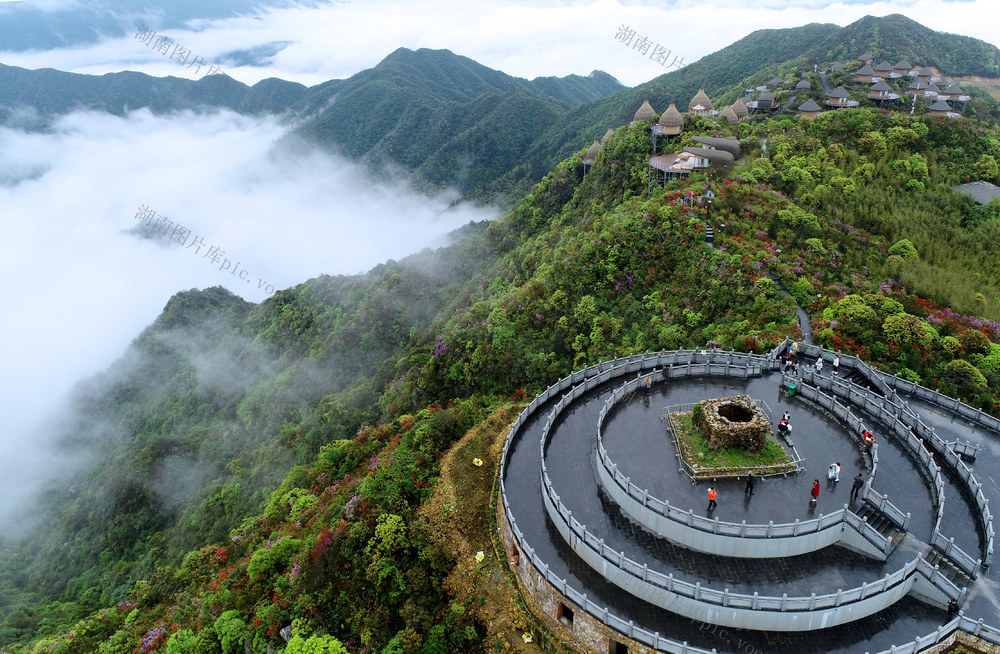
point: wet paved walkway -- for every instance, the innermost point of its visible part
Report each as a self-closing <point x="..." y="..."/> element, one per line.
<point x="636" y="429"/>
<point x="958" y="522"/>
<point x="570" y="458"/>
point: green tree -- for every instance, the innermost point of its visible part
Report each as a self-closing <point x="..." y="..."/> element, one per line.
<point x="873" y="143"/>
<point x="186" y="641"/>
<point x="233" y="631"/>
<point x="585" y="310"/>
<point x="904" y="330"/>
<point x="903" y="248"/>
<point x="974" y="342"/>
<point x="816" y="245"/>
<point x="986" y="168"/>
<point x="966" y="378"/>
<point x="315" y="645"/>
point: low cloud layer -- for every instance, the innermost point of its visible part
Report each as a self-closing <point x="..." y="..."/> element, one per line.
<point x="524" y="37"/>
<point x="84" y="275"/>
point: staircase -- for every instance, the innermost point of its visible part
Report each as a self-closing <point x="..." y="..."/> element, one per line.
<point x="946" y="568"/>
<point x="857" y="378"/>
<point x="881" y="524"/>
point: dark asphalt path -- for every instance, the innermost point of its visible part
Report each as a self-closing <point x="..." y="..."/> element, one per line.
<point x="570" y="461"/>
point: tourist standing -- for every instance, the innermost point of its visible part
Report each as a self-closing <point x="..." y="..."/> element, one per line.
<point x="647" y="384"/>
<point x="712" y="494"/>
<point x="856" y="487"/>
<point x="814" y="491"/>
<point x="836" y="363"/>
<point x="749" y="489"/>
<point x="819" y="364"/>
<point x="869" y="441"/>
<point x="836" y="477"/>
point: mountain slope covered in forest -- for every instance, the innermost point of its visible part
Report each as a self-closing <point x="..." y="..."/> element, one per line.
<point x="284" y="483"/>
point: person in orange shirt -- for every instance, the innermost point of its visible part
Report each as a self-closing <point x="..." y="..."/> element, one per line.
<point x="712" y="494"/>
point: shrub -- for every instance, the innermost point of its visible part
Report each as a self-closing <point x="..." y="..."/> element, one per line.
<point x="966" y="378"/>
<point x="974" y="341"/>
<point x="903" y="248"/>
<point x="815" y="245"/>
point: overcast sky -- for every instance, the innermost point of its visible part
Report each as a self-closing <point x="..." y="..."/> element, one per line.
<point x="81" y="284"/>
<point x="524" y="38"/>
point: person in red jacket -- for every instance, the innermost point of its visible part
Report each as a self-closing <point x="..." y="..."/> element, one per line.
<point x="712" y="494"/>
<point x="815" y="490"/>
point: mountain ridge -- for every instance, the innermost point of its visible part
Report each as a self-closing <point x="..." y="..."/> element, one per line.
<point x="413" y="109"/>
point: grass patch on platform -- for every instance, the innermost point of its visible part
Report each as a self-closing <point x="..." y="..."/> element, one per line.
<point x="696" y="453"/>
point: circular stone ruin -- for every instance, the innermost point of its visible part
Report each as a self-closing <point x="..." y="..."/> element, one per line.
<point x="732" y="422"/>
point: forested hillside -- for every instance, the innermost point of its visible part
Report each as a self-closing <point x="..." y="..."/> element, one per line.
<point x="266" y="466"/>
<point x="897" y="37"/>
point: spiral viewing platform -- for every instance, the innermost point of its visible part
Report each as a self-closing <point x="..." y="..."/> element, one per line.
<point x="612" y="542"/>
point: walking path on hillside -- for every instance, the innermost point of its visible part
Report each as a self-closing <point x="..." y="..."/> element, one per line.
<point x="805" y="322"/>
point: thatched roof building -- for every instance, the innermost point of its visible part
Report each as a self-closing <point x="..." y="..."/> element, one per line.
<point x="740" y="109"/>
<point x="730" y="115"/>
<point x="716" y="158"/>
<point x="766" y="101"/>
<point x="840" y="98"/>
<point x="809" y="109"/>
<point x="700" y="105"/>
<point x="592" y="152"/>
<point x="671" y="122"/>
<point x="882" y="91"/>
<point x="941" y="108"/>
<point x="864" y="74"/>
<point x="645" y="112"/>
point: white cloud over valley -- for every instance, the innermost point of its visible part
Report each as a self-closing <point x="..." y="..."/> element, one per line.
<point x="81" y="283"/>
